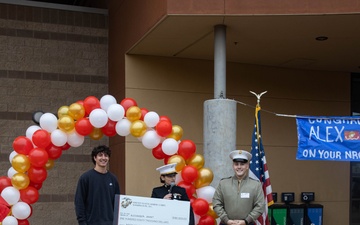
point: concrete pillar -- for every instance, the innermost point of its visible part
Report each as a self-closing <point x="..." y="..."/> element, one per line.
<point x="219" y="136"/>
<point x="219" y="116"/>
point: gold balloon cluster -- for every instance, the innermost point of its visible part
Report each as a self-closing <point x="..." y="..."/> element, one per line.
<point x="68" y="114"/>
<point x="206" y="175"/>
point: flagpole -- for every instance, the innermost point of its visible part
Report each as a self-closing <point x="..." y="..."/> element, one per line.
<point x="258" y="163"/>
<point x="257" y="109"/>
<point x="258" y="96"/>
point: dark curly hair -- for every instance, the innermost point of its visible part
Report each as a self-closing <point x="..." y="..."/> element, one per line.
<point x="101" y="148"/>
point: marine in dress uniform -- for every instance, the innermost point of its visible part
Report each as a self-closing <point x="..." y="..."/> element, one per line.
<point x="239" y="199"/>
<point x="170" y="190"/>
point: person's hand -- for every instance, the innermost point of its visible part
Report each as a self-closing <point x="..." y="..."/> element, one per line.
<point x="168" y="196"/>
<point x="236" y="222"/>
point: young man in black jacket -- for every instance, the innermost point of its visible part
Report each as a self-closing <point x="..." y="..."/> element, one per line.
<point x="96" y="190"/>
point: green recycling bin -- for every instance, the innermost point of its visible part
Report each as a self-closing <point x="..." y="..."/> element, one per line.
<point x="278" y="214"/>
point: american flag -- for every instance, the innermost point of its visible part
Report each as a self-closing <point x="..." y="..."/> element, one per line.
<point x="259" y="168"/>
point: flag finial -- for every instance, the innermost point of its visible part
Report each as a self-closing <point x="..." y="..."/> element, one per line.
<point x="258" y="96"/>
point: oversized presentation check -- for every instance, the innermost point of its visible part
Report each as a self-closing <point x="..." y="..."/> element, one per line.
<point x="135" y="210"/>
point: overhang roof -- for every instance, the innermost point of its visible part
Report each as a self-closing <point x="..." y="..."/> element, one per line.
<point x="272" y="40"/>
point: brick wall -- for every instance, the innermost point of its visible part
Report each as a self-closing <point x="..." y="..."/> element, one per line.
<point x="50" y="58"/>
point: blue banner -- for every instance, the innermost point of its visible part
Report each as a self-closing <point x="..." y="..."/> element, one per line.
<point x="328" y="138"/>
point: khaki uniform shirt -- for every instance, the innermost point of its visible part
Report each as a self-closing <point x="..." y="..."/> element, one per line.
<point x="234" y="201"/>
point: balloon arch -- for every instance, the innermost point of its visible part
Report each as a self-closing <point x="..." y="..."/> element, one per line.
<point x="36" y="152"/>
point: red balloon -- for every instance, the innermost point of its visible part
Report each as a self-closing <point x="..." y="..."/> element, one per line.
<point x="186" y="148"/>
<point x="166" y="159"/>
<point x="143" y="113"/>
<point x="65" y="147"/>
<point x="163" y="128"/>
<point x="165" y="118"/>
<point x="91" y="103"/>
<point x="189" y="187"/>
<point x="29" y="195"/>
<point x="189" y="173"/>
<point x="200" y="206"/>
<point x="22" y="145"/>
<point x="192" y="199"/>
<point x="38" y="186"/>
<point x="23" y="222"/>
<point x="127" y="103"/>
<point x="109" y="129"/>
<point x="83" y="126"/>
<point x="158" y="152"/>
<point x="41" y="138"/>
<point x="54" y="152"/>
<point x="4" y="182"/>
<point x="38" y="157"/>
<point x="37" y="174"/>
<point x="206" y="220"/>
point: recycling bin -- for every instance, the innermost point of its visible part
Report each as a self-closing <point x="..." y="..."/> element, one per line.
<point x="277" y="214"/>
<point x="296" y="214"/>
<point x="313" y="214"/>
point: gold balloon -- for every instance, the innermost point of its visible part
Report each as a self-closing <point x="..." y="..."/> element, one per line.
<point x="76" y="111"/>
<point x="179" y="160"/>
<point x="20" y="181"/>
<point x="211" y="212"/>
<point x="63" y="111"/>
<point x="133" y="113"/>
<point x="20" y="163"/>
<point x="138" y="128"/>
<point x="176" y="133"/>
<point x="66" y="123"/>
<point x="196" y="160"/>
<point x="49" y="164"/>
<point x="96" y="134"/>
<point x="206" y="176"/>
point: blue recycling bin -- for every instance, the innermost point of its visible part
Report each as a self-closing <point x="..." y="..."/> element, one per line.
<point x="313" y="214"/>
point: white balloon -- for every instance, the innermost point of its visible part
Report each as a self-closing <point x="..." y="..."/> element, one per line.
<point x="106" y="101"/>
<point x="116" y="112"/>
<point x="21" y="210"/>
<point x="151" y="119"/>
<point x="11" y="195"/>
<point x="98" y="118"/>
<point x="10" y="220"/>
<point x="74" y="139"/>
<point x="150" y="139"/>
<point x="11" y="172"/>
<point x="31" y="130"/>
<point x="123" y="127"/>
<point x="206" y="193"/>
<point x="48" y="122"/>
<point x="11" y="156"/>
<point x="170" y="146"/>
<point x="58" y="137"/>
